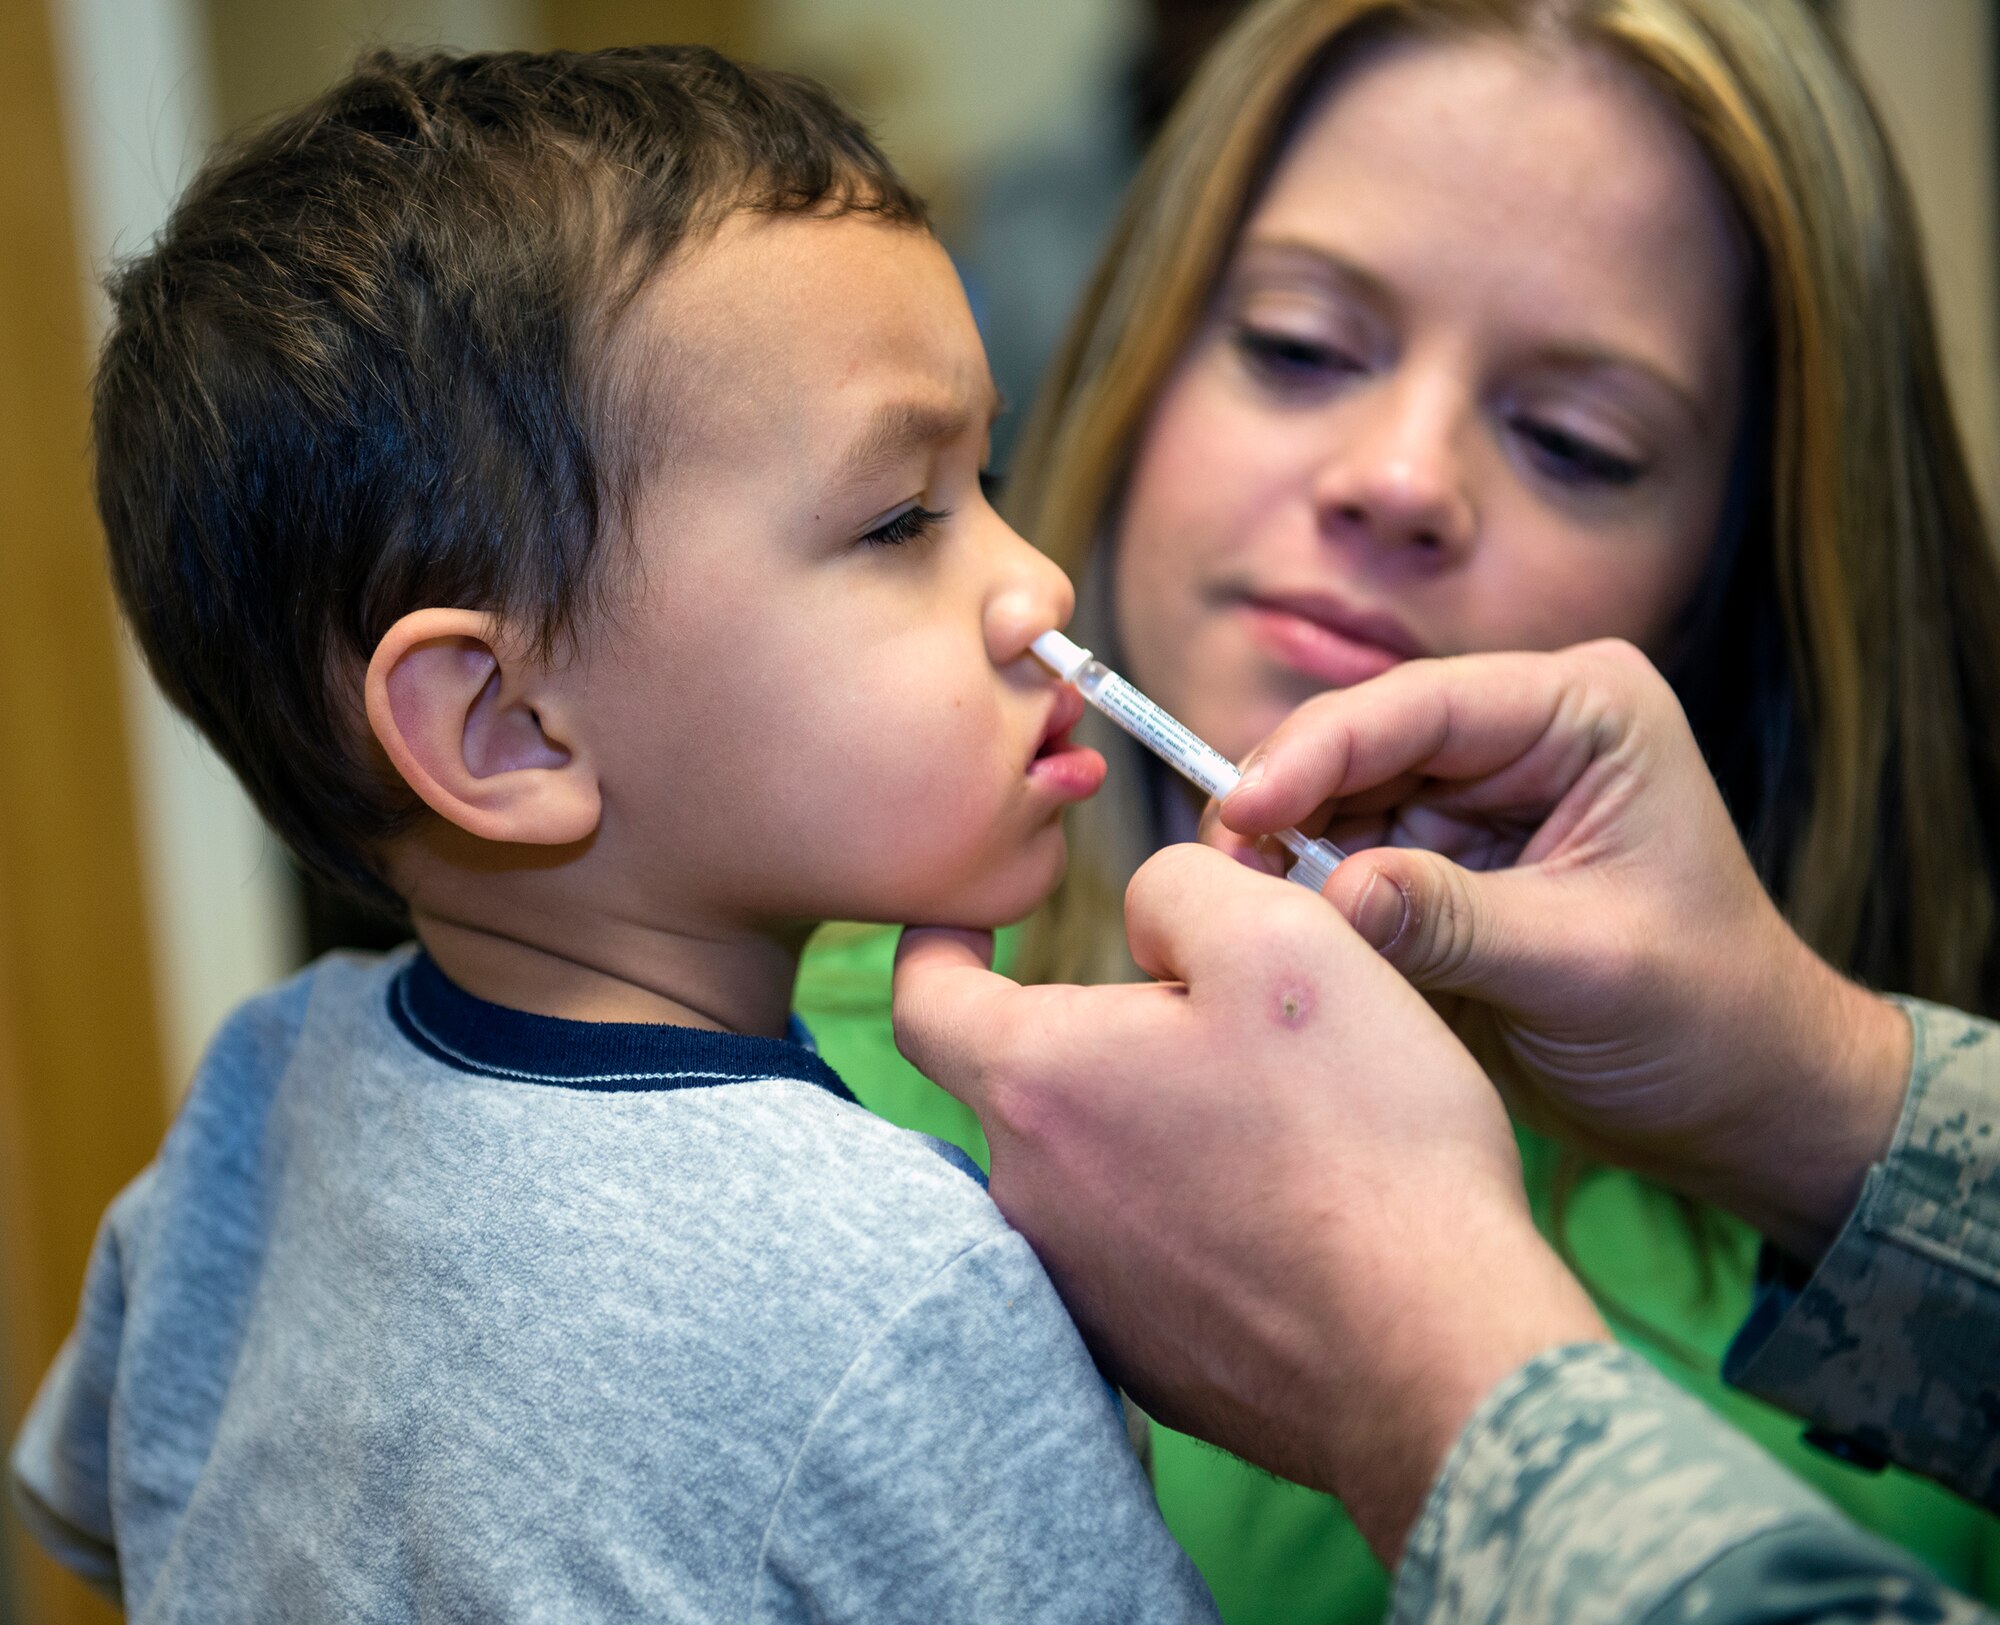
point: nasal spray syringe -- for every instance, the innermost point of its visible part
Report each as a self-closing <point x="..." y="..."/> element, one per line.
<point x="1203" y="766"/>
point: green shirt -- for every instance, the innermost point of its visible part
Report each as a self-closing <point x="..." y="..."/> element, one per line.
<point x="1273" y="1553"/>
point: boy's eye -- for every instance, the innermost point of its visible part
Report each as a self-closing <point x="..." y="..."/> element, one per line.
<point x="1289" y="360"/>
<point x="1573" y="460"/>
<point x="914" y="524"/>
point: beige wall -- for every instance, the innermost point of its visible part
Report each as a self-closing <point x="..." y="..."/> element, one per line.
<point x="1929" y="65"/>
<point x="950" y="87"/>
<point x="268" y="55"/>
<point x="735" y="26"/>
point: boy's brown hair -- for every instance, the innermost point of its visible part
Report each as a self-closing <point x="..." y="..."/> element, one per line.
<point x="364" y="370"/>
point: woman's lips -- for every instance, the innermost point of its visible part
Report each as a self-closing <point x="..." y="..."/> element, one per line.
<point x="1325" y="640"/>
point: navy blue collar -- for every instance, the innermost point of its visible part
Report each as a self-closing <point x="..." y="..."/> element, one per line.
<point x="492" y="1041"/>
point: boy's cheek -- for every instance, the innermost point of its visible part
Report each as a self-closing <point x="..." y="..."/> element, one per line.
<point x="990" y="887"/>
<point x="946" y="844"/>
<point x="1006" y="892"/>
<point x="913" y="730"/>
<point x="896" y="781"/>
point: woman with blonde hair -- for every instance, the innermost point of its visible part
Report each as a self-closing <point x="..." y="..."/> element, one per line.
<point x="1433" y="326"/>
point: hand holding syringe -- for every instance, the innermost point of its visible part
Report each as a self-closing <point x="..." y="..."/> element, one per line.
<point x="1200" y="764"/>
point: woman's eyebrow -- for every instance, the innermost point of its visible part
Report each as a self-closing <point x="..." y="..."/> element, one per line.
<point x="902" y="426"/>
<point x="1585" y="360"/>
<point x="1316" y="264"/>
<point x="1294" y="257"/>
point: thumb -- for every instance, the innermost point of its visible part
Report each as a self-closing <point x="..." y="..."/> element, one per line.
<point x="949" y="1006"/>
<point x="1434" y="921"/>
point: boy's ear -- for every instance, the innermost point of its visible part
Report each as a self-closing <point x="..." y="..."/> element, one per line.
<point x="479" y="732"/>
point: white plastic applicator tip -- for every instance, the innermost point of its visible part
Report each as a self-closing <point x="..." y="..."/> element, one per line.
<point x="1061" y="656"/>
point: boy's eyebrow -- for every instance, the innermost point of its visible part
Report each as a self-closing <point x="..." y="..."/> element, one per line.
<point x="901" y="426"/>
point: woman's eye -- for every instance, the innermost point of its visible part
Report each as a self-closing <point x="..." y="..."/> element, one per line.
<point x="913" y="524"/>
<point x="1286" y="358"/>
<point x="1572" y="459"/>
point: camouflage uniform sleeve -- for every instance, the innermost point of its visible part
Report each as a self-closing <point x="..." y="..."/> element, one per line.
<point x="1891" y="1348"/>
<point x="1587" y="1488"/>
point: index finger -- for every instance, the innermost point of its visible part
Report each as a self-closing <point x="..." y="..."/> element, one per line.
<point x="1526" y="724"/>
<point x="948" y="1004"/>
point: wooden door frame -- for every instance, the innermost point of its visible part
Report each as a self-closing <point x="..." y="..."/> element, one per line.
<point x="81" y="1099"/>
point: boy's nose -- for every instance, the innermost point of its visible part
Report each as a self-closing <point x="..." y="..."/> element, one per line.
<point x="1030" y="597"/>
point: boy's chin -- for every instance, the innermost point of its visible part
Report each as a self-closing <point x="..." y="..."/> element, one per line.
<point x="997" y="899"/>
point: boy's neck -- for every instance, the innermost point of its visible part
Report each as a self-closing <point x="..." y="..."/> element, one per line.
<point x="741" y="984"/>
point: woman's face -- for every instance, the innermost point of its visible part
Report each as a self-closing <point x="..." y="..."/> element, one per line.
<point x="1471" y="381"/>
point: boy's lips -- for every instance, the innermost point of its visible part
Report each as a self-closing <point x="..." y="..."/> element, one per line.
<point x="1071" y="772"/>
<point x="1066" y="710"/>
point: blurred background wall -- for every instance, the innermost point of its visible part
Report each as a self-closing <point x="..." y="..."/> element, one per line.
<point x="139" y="895"/>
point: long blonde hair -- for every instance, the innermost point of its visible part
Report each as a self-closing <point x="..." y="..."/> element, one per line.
<point x="1849" y="658"/>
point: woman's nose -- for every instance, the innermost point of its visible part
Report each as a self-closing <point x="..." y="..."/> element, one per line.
<point x="1397" y="479"/>
<point x="1030" y="595"/>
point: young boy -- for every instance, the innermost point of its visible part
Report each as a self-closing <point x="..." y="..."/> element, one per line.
<point x="553" y="482"/>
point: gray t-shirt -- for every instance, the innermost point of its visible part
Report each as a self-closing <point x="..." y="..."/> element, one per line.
<point x="430" y="1309"/>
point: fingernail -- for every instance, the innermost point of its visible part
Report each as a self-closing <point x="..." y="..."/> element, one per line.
<point x="1252" y="776"/>
<point x="1379" y="916"/>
